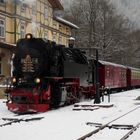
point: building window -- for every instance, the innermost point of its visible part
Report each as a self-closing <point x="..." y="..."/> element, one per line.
<point x="34" y="7"/>
<point x="23" y="7"/>
<point x="60" y="28"/>
<point x="22" y="30"/>
<point x="67" y="31"/>
<point x="60" y="40"/>
<point x="54" y="24"/>
<point x="2" y="28"/>
<point x="46" y="12"/>
<point x="46" y="35"/>
<point x="54" y="36"/>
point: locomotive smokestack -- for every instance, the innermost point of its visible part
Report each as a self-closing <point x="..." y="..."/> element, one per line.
<point x="71" y="42"/>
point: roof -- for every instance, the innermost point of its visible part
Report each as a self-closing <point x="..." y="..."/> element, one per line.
<point x="56" y="4"/>
<point x="111" y="64"/>
<point x="61" y="20"/>
<point x="134" y="69"/>
<point x="7" y="45"/>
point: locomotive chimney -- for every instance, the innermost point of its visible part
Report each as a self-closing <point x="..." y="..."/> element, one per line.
<point x="71" y="42"/>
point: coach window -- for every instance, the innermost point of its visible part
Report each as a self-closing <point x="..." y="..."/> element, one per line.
<point x="121" y="74"/>
<point x="133" y="75"/>
<point x="138" y="75"/>
<point x="2" y="28"/>
<point x="108" y="73"/>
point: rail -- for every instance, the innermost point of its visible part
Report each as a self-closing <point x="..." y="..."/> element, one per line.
<point x="101" y="127"/>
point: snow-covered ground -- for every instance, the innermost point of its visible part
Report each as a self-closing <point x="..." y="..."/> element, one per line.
<point x="66" y="124"/>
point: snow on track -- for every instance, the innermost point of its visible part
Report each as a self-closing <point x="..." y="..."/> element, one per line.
<point x="66" y="124"/>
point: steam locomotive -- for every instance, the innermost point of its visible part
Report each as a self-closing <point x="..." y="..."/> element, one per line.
<point x="47" y="75"/>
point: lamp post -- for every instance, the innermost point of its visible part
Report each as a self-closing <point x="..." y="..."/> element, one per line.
<point x="97" y="96"/>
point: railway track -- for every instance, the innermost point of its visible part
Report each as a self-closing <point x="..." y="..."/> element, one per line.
<point x="9" y="120"/>
<point x="130" y="132"/>
<point x="110" y="126"/>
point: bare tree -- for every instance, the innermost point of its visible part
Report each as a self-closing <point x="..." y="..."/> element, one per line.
<point x="100" y="26"/>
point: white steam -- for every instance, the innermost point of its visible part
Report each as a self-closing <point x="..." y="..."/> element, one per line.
<point x="35" y="25"/>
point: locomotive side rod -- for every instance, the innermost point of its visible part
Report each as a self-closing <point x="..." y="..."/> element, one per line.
<point x="106" y="125"/>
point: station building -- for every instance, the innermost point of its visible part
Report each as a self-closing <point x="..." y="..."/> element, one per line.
<point x="39" y="17"/>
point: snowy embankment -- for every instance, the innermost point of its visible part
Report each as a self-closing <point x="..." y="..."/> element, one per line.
<point x="66" y="124"/>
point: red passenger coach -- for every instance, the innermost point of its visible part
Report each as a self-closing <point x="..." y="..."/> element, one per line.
<point x="112" y="75"/>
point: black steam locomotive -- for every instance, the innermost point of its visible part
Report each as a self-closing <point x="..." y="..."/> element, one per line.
<point x="47" y="75"/>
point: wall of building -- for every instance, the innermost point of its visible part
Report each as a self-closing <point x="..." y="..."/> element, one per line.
<point x="36" y="18"/>
<point x="40" y="22"/>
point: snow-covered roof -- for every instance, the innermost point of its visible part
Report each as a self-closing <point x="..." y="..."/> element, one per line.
<point x="66" y="22"/>
<point x="7" y="45"/>
<point x="112" y="64"/>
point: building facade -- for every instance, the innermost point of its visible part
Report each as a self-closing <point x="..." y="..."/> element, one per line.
<point x="18" y="17"/>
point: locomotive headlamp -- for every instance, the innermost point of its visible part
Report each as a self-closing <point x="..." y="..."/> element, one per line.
<point x="29" y="36"/>
<point x="14" y="80"/>
<point x="37" y="80"/>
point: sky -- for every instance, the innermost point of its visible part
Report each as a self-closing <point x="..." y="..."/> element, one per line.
<point x="129" y="8"/>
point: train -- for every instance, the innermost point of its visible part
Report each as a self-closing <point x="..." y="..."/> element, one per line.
<point x="47" y="75"/>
